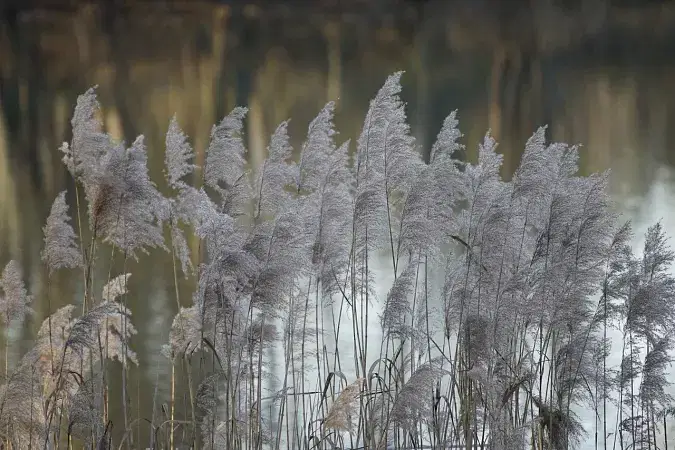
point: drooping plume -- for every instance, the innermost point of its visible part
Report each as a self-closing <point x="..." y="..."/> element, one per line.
<point x="60" y="250"/>
<point x="275" y="175"/>
<point x="124" y="204"/>
<point x="115" y="288"/>
<point x="178" y="155"/>
<point x="414" y="401"/>
<point x="343" y="414"/>
<point x="315" y="160"/>
<point x="89" y="143"/>
<point x="14" y="301"/>
<point x="224" y="169"/>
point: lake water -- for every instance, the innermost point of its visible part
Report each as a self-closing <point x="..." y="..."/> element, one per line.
<point x="599" y="75"/>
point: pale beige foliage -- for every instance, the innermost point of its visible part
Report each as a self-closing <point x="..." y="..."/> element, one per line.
<point x="341" y="414"/>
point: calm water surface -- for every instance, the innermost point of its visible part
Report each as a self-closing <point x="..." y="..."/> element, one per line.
<point x="602" y="76"/>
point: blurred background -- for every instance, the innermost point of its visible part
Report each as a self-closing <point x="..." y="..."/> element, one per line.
<point x="599" y="72"/>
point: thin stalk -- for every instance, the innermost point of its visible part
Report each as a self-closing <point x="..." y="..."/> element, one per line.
<point x="665" y="432"/>
<point x="172" y="400"/>
<point x="302" y="355"/>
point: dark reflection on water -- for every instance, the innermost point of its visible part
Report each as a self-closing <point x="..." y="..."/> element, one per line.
<point x="598" y="74"/>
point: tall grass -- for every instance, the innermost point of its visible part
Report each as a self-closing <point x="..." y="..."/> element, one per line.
<point x="494" y="333"/>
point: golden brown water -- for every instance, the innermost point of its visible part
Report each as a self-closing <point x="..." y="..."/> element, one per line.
<point x="602" y="77"/>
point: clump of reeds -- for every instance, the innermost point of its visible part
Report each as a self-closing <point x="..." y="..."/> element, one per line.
<point x="493" y="334"/>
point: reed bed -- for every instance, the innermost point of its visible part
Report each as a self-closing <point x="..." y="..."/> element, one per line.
<point x="494" y="332"/>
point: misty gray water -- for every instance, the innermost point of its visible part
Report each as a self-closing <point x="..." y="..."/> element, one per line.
<point x="601" y="76"/>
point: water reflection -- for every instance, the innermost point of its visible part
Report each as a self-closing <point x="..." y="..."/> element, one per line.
<point x="599" y="75"/>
